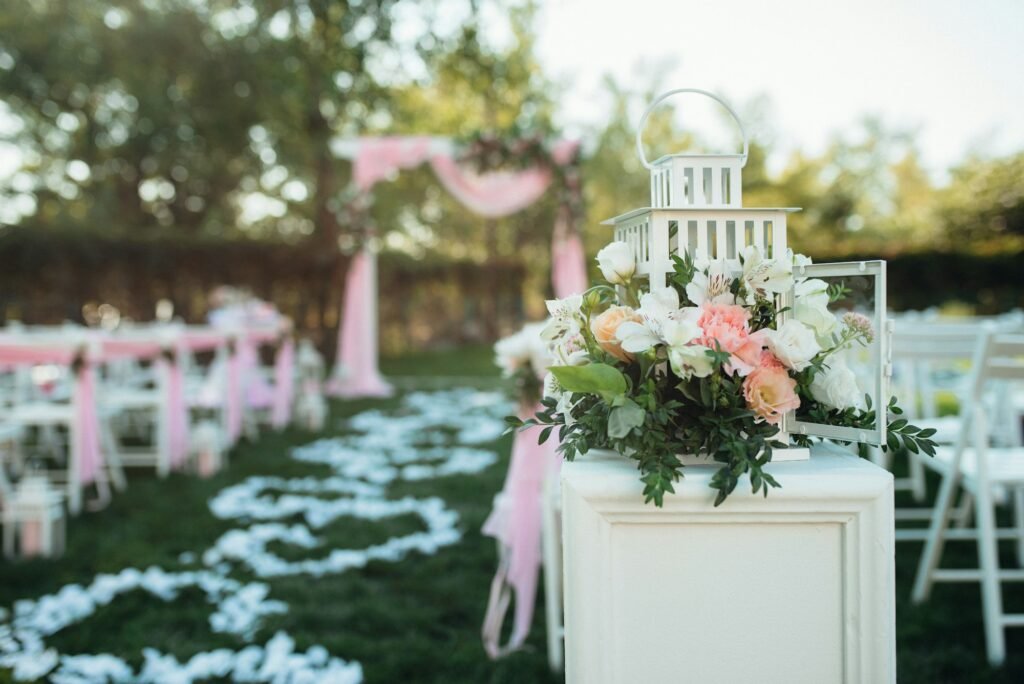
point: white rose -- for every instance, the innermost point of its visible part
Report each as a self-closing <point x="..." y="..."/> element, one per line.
<point x="617" y="263"/>
<point x="836" y="386"/>
<point x="810" y="306"/>
<point x="794" y="344"/>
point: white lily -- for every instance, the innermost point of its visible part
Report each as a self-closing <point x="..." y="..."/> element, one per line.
<point x="566" y="318"/>
<point x="711" y="282"/>
<point x="656" y="309"/>
<point x="552" y="388"/>
<point x="690" y="360"/>
<point x="571" y="350"/>
<point x="763" y="276"/>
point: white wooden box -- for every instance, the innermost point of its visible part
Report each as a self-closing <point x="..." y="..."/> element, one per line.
<point x="798" y="587"/>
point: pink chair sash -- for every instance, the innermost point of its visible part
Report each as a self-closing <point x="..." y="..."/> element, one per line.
<point x="233" y="396"/>
<point x="284" y="384"/>
<point x="516" y="523"/>
<point x="177" y="409"/>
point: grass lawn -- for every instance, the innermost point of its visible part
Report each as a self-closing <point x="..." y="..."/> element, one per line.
<point x="413" y="621"/>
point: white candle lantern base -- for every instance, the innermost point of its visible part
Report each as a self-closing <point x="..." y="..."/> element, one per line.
<point x="35" y="519"/>
<point x="795" y="587"/>
<point x="208" y="444"/>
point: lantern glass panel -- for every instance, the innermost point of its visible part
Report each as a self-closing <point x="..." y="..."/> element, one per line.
<point x="859" y="289"/>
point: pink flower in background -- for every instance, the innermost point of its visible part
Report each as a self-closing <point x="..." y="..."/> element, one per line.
<point x="770" y="392"/>
<point x="727" y="326"/>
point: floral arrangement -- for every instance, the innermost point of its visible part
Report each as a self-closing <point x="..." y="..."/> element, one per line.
<point x="702" y="366"/>
<point x="524" y="358"/>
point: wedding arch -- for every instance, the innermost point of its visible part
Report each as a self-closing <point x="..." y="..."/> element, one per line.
<point x="490" y="193"/>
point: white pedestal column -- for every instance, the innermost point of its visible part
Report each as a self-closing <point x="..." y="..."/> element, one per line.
<point x="798" y="587"/>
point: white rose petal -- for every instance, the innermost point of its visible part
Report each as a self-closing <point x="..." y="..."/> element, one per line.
<point x="837" y="387"/>
<point x="794" y="344"/>
<point x="811" y="307"/>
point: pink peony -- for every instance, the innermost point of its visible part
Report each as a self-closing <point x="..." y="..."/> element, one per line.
<point x="770" y="392"/>
<point x="728" y="325"/>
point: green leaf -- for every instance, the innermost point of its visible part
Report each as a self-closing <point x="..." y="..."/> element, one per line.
<point x="624" y="418"/>
<point x="596" y="378"/>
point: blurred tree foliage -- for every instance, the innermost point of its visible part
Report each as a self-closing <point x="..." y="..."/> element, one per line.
<point x="213" y="120"/>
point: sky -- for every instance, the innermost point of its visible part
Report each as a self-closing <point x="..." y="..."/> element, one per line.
<point x="951" y="71"/>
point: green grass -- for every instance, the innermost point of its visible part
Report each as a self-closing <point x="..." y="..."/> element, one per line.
<point x="414" y="621"/>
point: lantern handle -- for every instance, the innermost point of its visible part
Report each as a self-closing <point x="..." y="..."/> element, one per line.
<point x="664" y="96"/>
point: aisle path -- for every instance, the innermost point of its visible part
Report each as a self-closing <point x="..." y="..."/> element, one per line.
<point x="431" y="435"/>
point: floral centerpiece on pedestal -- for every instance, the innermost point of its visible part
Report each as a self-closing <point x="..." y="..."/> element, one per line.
<point x="708" y="365"/>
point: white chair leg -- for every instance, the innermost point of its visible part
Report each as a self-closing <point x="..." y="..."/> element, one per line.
<point x="965" y="511"/>
<point x="1018" y="519"/>
<point x="74" y="468"/>
<point x="936" y="534"/>
<point x="112" y="455"/>
<point x="919" y="490"/>
<point x="991" y="594"/>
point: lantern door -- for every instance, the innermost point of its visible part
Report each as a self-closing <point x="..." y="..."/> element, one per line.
<point x="855" y="295"/>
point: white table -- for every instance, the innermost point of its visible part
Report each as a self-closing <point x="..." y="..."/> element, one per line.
<point x="798" y="587"/>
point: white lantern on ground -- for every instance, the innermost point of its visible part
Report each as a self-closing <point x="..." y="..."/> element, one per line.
<point x="34" y="522"/>
<point x="697" y="210"/>
<point x="310" y="407"/>
<point x="208" y="448"/>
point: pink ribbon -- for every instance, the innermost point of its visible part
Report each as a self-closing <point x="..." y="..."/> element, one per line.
<point x="516" y="523"/>
<point x="284" y="384"/>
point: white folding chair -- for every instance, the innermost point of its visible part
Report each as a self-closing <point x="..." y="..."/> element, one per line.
<point x="143" y="395"/>
<point x="982" y="470"/>
<point x="46" y="416"/>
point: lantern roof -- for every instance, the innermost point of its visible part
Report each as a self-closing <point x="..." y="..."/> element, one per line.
<point x="709" y="213"/>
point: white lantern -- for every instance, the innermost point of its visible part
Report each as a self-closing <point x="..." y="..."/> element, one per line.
<point x="34" y="522"/>
<point x="697" y="210"/>
<point x="311" y="408"/>
<point x="208" y="448"/>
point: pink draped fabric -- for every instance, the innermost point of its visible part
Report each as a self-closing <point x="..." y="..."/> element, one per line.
<point x="284" y="384"/>
<point x="491" y="195"/>
<point x="357" y="338"/>
<point x="516" y="524"/>
<point x="177" y="414"/>
<point x="379" y="158"/>
<point x="233" y="396"/>
<point x="85" y="430"/>
<point x="87" y="425"/>
<point x="568" y="266"/>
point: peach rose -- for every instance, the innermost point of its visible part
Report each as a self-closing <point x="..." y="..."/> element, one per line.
<point x="607" y="324"/>
<point x="770" y="392"/>
<point x="728" y="325"/>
